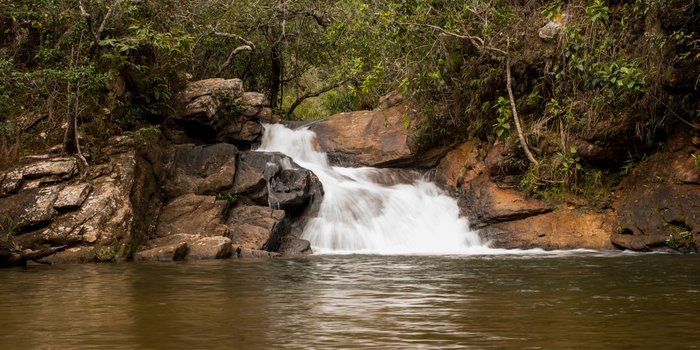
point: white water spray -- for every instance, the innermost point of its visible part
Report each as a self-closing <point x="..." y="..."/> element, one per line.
<point x="360" y="215"/>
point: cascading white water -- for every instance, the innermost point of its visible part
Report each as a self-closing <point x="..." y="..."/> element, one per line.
<point x="360" y="215"/>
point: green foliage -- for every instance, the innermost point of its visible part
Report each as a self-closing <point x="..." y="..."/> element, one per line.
<point x="597" y="11"/>
<point x="106" y="254"/>
<point x="228" y="197"/>
<point x="504" y="115"/>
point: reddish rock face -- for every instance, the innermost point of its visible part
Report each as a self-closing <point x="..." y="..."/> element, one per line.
<point x="377" y="138"/>
<point x="461" y="165"/>
<point x="562" y="228"/>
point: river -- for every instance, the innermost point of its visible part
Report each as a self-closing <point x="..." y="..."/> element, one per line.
<point x="579" y="300"/>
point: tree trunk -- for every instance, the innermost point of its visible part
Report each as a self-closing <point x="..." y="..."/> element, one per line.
<point x="276" y="78"/>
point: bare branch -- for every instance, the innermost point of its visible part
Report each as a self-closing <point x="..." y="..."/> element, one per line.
<point x="314" y="94"/>
<point x="234" y="36"/>
<point x="115" y="6"/>
<point x="231" y="56"/>
<point x="475" y="40"/>
<point x="521" y="137"/>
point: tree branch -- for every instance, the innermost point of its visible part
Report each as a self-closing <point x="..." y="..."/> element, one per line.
<point x="314" y="94"/>
<point x="523" y="143"/>
<point x="475" y="40"/>
<point x="233" y="54"/>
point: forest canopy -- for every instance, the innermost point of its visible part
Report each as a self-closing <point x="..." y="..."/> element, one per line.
<point x="614" y="71"/>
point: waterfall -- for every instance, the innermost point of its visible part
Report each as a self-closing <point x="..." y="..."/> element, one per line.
<point x="369" y="210"/>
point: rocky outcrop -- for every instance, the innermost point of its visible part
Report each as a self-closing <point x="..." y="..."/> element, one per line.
<point x="219" y="110"/>
<point x="49" y="206"/>
<point x="658" y="205"/>
<point x="208" y="169"/>
<point x="380" y="138"/>
<point x="504" y="216"/>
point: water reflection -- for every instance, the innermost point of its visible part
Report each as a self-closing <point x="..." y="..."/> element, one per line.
<point x="507" y="302"/>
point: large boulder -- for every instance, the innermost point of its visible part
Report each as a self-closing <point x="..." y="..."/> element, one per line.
<point x="200" y="169"/>
<point x="185" y="246"/>
<point x="379" y="138"/>
<point x="658" y="204"/>
<point x="218" y="110"/>
<point x="193" y="214"/>
<point x="484" y="202"/>
<point x="461" y="165"/>
<point x="256" y="227"/>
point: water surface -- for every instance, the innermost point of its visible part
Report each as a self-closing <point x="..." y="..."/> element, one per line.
<point x="575" y="301"/>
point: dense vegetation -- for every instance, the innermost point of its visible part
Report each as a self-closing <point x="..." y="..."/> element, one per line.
<point x="613" y="73"/>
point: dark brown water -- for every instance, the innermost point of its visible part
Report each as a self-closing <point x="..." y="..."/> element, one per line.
<point x="578" y="301"/>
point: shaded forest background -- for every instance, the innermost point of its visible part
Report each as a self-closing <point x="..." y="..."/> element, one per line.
<point x="617" y="75"/>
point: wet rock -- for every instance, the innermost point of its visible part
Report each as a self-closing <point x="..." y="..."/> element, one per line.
<point x="193" y="214"/>
<point x="171" y="252"/>
<point x="210" y="248"/>
<point x="199" y="247"/>
<point x="290" y="188"/>
<point x="76" y="255"/>
<point x="560" y="229"/>
<point x="373" y="138"/>
<point x="72" y="196"/>
<point x="252" y="227"/>
<point x="253" y="254"/>
<point x="654" y="209"/>
<point x="461" y="165"/>
<point x="200" y="169"/>
<point x="485" y="203"/>
<point x="292" y="246"/>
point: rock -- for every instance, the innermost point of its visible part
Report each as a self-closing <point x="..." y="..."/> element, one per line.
<point x="560" y="229"/>
<point x="484" y="203"/>
<point x="232" y="88"/>
<point x="76" y="255"/>
<point x="290" y="188"/>
<point x="171" y="252"/>
<point x="62" y="168"/>
<point x="504" y="159"/>
<point x="240" y="129"/>
<point x="266" y="116"/>
<point x="292" y="246"/>
<point x="210" y="248"/>
<point x="550" y="30"/>
<point x="200" y="169"/>
<point x="461" y="165"/>
<point x="290" y="184"/>
<point x="597" y="153"/>
<point x="653" y="208"/>
<point x="116" y="213"/>
<point x="377" y="138"/>
<point x="11" y="182"/>
<point x="199" y="247"/>
<point x="193" y="214"/>
<point x="217" y="110"/>
<point x="688" y="169"/>
<point x="246" y="254"/>
<point x="72" y="196"/>
<point x="252" y="227"/>
<point x="30" y="208"/>
<point x="254" y="99"/>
